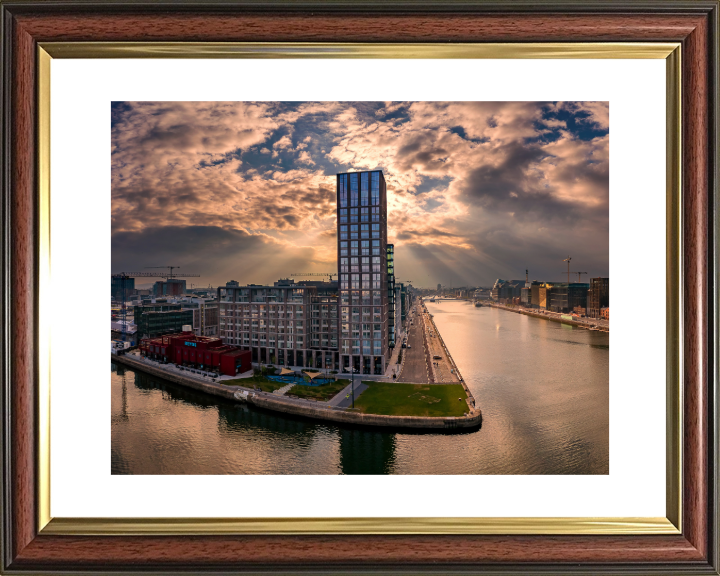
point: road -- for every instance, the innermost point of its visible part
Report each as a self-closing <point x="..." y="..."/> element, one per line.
<point x="415" y="369"/>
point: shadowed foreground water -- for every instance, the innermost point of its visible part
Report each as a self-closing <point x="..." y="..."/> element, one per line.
<point x="542" y="386"/>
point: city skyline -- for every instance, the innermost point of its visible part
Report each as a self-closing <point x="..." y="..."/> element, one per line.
<point x="246" y="191"/>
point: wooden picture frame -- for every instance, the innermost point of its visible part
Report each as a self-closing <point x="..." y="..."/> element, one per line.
<point x="29" y="546"/>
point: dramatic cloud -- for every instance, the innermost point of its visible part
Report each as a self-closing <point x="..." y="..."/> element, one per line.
<point x="476" y="190"/>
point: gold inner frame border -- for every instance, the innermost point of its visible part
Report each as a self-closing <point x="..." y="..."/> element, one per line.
<point x="671" y="524"/>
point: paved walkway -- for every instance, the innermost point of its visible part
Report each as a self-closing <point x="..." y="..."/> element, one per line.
<point x="284" y="390"/>
<point x="440" y="363"/>
<point x="341" y="399"/>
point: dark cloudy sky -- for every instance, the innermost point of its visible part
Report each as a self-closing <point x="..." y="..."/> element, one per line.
<point x="246" y="190"/>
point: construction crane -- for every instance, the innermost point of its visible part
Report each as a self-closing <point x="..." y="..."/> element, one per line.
<point x="328" y="274"/>
<point x="124" y="278"/>
<point x="171" y="275"/>
<point x="578" y="273"/>
<point x="568" y="261"/>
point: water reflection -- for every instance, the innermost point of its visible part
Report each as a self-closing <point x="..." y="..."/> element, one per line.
<point x="543" y="389"/>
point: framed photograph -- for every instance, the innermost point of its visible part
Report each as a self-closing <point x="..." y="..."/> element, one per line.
<point x="350" y="329"/>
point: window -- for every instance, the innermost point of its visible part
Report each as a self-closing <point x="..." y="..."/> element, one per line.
<point x="354" y="265"/>
<point x="343" y="218"/>
<point x="365" y="247"/>
<point x="375" y="187"/>
<point x="367" y="347"/>
<point x="344" y="266"/>
<point x="376" y="282"/>
<point x="366" y="298"/>
<point x="364" y="189"/>
<point x="354" y="189"/>
<point x="354" y="248"/>
<point x="366" y="330"/>
<point x="345" y="314"/>
<point x="343" y="251"/>
<point x="376" y="264"/>
<point x="363" y="214"/>
<point x="366" y="280"/>
<point x="377" y="347"/>
<point x="353" y="231"/>
<point x="343" y="232"/>
<point x="355" y="280"/>
<point x="342" y="184"/>
<point x="364" y="231"/>
<point x="353" y="214"/>
<point x="377" y="331"/>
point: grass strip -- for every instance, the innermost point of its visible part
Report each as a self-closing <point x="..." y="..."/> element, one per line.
<point x="399" y="399"/>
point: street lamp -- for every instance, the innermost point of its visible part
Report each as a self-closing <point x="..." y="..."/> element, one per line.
<point x="352" y="386"/>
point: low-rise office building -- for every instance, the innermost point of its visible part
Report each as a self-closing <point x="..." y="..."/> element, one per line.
<point x="159" y="318"/>
<point x="205" y="353"/>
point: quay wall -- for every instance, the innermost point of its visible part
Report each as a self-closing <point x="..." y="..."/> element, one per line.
<point x="309" y="409"/>
<point x="542" y="316"/>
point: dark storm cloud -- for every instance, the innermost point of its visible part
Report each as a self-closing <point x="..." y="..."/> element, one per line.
<point x="216" y="254"/>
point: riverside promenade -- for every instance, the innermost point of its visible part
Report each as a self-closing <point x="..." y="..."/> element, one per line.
<point x="317" y="410"/>
<point x="444" y="369"/>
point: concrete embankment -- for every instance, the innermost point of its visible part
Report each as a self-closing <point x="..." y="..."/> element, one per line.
<point x="307" y="409"/>
<point x="546" y="317"/>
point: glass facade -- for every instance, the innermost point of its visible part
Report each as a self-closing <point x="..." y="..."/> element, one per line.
<point x="364" y="330"/>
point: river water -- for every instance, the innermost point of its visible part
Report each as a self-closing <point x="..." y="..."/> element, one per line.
<point x="542" y="387"/>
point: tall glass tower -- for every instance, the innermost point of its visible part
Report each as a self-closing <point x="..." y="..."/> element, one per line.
<point x="362" y="271"/>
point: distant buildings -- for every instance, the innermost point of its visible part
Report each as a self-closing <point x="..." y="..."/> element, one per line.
<point x="169" y="287"/>
<point x="574" y="297"/>
<point x="116" y="287"/>
<point x="598" y="296"/>
<point x="505" y="290"/>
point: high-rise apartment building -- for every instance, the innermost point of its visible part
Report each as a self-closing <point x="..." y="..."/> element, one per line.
<point x="362" y="269"/>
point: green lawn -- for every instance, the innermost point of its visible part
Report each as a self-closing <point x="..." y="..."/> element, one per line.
<point x="260" y="381"/>
<point x="323" y="393"/>
<point x="395" y="399"/>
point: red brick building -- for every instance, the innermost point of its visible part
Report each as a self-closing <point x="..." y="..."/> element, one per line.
<point x="204" y="352"/>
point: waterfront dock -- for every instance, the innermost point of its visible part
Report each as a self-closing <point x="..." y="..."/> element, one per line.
<point x="327" y="411"/>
